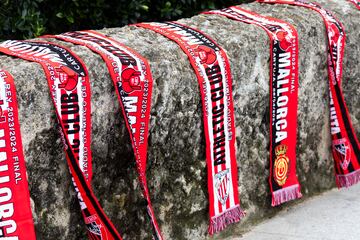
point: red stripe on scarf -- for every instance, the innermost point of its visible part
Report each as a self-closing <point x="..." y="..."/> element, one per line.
<point x="283" y="181"/>
<point x="64" y="72"/>
<point x="132" y="79"/>
<point x="209" y="62"/>
<point x="15" y="214"/>
<point x="345" y="145"/>
<point x="356" y="2"/>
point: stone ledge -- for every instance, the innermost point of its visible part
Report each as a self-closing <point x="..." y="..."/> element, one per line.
<point x="176" y="162"/>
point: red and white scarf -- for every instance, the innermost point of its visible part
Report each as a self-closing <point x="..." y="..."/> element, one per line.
<point x="15" y="211"/>
<point x="132" y="79"/>
<point x="356" y="2"/>
<point x="345" y="145"/>
<point x="284" y="184"/>
<point x="69" y="87"/>
<point x="212" y="69"/>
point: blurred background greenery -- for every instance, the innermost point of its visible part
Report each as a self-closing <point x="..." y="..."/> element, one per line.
<point x="21" y="19"/>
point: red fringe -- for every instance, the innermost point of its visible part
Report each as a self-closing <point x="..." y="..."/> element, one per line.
<point x="348" y="180"/>
<point x="286" y="194"/>
<point x="219" y="223"/>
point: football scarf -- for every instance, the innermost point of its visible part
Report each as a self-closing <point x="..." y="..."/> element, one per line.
<point x="212" y="69"/>
<point x="356" y="2"/>
<point x="15" y="211"/>
<point x="69" y="86"/>
<point x="345" y="146"/>
<point x="133" y="82"/>
<point x="283" y="181"/>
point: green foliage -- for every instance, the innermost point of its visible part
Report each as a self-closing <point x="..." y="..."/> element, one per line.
<point x="21" y="19"/>
<point x="31" y="18"/>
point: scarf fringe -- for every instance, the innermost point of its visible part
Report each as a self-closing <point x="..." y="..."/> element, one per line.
<point x="219" y="223"/>
<point x="286" y="194"/>
<point x="348" y="180"/>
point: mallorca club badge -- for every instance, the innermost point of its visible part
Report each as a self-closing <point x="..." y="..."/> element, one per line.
<point x="95" y="229"/>
<point x="222" y="185"/>
<point x="342" y="152"/>
<point x="281" y="165"/>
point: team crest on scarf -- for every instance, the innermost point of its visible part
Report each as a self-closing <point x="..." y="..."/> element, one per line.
<point x="68" y="78"/>
<point x="207" y="55"/>
<point x="222" y="185"/>
<point x="342" y="152"/>
<point x="69" y="86"/>
<point x="284" y="184"/>
<point x="281" y="165"/>
<point x="345" y="145"/>
<point x="131" y="80"/>
<point x="284" y="39"/>
<point x="95" y="229"/>
<point x="212" y="70"/>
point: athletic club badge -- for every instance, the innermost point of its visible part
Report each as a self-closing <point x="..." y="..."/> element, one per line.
<point x="68" y="78"/>
<point x="131" y="80"/>
<point x="281" y="165"/>
<point x="206" y="55"/>
<point x="131" y="76"/>
<point x="222" y="185"/>
<point x="95" y="229"/>
<point x="342" y="152"/>
<point x="284" y="39"/>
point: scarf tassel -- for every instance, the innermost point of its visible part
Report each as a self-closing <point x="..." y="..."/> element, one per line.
<point x="219" y="223"/>
<point x="348" y="180"/>
<point x="286" y="194"/>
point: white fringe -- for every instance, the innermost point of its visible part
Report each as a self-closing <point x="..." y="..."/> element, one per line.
<point x="286" y="194"/>
<point x="219" y="223"/>
<point x="348" y="180"/>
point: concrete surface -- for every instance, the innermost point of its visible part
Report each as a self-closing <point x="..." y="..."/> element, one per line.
<point x="333" y="215"/>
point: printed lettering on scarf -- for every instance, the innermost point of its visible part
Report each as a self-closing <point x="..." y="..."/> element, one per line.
<point x="212" y="69"/>
<point x="15" y="210"/>
<point x="284" y="184"/>
<point x="345" y="145"/>
<point x="133" y="81"/>
<point x="69" y="87"/>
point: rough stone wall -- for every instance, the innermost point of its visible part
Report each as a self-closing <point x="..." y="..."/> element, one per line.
<point x="176" y="161"/>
